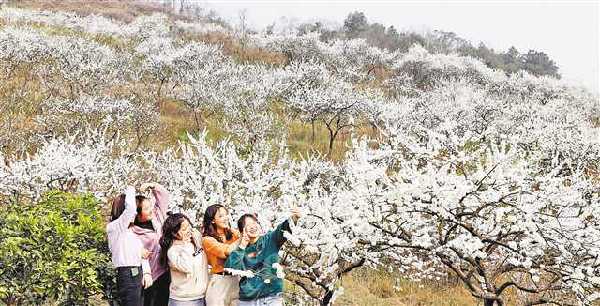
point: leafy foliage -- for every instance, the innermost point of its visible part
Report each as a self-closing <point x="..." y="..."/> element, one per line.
<point x="53" y="251"/>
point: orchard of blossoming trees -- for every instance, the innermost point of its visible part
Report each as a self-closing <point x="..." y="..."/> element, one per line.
<point x="473" y="174"/>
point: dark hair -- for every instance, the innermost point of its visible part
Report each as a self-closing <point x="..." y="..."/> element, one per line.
<point x="169" y="232"/>
<point x="242" y="221"/>
<point x="139" y="199"/>
<point x="118" y="207"/>
<point x="209" y="228"/>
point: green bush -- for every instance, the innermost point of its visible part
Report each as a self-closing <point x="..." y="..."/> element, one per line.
<point x="54" y="251"/>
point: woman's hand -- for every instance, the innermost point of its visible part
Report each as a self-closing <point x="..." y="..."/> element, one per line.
<point x="185" y="236"/>
<point x="244" y="240"/>
<point x="146" y="186"/>
<point x="196" y="237"/>
<point x="145" y="253"/>
<point x="147" y="280"/>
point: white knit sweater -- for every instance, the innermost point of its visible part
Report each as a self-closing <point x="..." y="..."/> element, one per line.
<point x="189" y="273"/>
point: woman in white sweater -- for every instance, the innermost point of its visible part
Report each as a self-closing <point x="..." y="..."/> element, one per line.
<point x="181" y="249"/>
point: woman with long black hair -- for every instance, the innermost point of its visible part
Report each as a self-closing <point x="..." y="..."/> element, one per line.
<point x="218" y="241"/>
<point x="181" y="249"/>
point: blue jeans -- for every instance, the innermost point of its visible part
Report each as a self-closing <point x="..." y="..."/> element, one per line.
<point x="198" y="302"/>
<point x="129" y="286"/>
<point x="273" y="300"/>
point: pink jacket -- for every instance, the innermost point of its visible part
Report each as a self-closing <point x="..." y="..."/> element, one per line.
<point x="150" y="239"/>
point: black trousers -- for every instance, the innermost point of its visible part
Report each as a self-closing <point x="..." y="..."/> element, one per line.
<point x="158" y="293"/>
<point x="129" y="286"/>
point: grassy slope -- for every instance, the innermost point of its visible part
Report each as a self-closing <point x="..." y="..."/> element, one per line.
<point x="369" y="287"/>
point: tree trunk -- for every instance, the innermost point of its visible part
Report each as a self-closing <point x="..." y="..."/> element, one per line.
<point x="10" y="301"/>
<point x="312" y="136"/>
<point x="158" y="93"/>
<point x="331" y="140"/>
<point x="489" y="302"/>
<point x="197" y="120"/>
<point x="327" y="298"/>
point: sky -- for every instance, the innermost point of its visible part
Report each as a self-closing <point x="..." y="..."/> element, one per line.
<point x="568" y="31"/>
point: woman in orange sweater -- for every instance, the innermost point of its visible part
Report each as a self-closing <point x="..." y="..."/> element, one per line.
<point x="218" y="241"/>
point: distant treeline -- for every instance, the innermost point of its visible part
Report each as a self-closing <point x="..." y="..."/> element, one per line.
<point x="356" y="25"/>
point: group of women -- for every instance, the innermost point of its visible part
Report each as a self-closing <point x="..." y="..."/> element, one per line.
<point x="161" y="259"/>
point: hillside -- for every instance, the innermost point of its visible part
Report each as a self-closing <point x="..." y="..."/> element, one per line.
<point x="425" y="178"/>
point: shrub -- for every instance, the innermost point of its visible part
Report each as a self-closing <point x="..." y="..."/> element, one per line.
<point x="53" y="251"/>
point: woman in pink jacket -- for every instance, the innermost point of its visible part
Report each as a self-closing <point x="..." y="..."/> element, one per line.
<point x="148" y="227"/>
